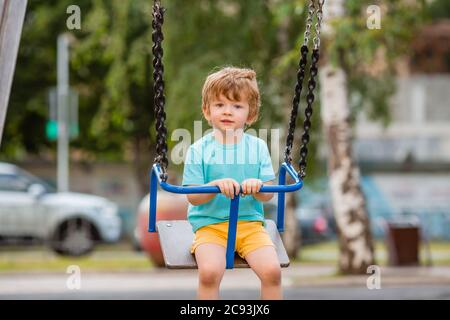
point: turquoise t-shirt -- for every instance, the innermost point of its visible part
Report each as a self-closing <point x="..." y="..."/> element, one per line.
<point x="208" y="160"/>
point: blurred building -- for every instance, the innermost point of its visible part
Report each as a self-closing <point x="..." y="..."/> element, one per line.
<point x="406" y="166"/>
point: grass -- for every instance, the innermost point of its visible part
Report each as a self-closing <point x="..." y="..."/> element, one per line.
<point x="122" y="258"/>
<point x="328" y="252"/>
<point x="112" y="258"/>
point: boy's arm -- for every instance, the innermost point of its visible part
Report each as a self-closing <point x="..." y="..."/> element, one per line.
<point x="263" y="197"/>
<point x="197" y="199"/>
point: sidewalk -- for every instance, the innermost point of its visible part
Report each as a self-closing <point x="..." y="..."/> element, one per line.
<point x="300" y="281"/>
<point x="124" y="274"/>
<point x="304" y="275"/>
<point x="296" y="275"/>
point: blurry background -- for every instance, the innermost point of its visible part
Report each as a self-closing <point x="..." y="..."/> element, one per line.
<point x="398" y="88"/>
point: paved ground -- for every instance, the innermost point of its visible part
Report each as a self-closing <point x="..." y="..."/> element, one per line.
<point x="299" y="282"/>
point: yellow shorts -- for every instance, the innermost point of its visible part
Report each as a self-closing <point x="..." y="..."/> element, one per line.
<point x="250" y="235"/>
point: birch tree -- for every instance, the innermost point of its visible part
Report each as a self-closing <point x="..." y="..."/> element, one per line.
<point x="392" y="33"/>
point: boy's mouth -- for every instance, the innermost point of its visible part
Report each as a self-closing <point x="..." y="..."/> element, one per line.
<point x="226" y="121"/>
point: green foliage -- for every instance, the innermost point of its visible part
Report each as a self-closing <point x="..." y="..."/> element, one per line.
<point x="439" y="9"/>
<point x="111" y="65"/>
<point x="112" y="62"/>
<point x="35" y="72"/>
<point x="110" y="68"/>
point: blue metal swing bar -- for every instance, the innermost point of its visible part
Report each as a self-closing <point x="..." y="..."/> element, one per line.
<point x="281" y="189"/>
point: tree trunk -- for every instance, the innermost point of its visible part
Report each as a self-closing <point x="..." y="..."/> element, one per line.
<point x="355" y="239"/>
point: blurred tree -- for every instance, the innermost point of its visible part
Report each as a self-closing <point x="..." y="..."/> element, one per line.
<point x="110" y="68"/>
<point x="438" y="9"/>
<point x="35" y="73"/>
<point x="358" y="72"/>
<point x="112" y="64"/>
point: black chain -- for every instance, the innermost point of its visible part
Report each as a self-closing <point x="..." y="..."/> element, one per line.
<point x="159" y="99"/>
<point x="295" y="102"/>
<point x="315" y="6"/>
<point x="308" y="112"/>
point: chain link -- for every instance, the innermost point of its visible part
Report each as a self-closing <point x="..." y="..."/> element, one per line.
<point x="309" y="21"/>
<point x="299" y="85"/>
<point x="318" y="25"/>
<point x="308" y="112"/>
<point x="311" y="86"/>
<point x="295" y="103"/>
<point x="159" y="99"/>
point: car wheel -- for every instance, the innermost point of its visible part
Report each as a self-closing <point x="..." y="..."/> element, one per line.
<point x="74" y="238"/>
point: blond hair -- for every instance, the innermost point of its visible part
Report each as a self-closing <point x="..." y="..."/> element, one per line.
<point x="236" y="84"/>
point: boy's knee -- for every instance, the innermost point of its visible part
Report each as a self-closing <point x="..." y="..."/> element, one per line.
<point x="210" y="275"/>
<point x="271" y="275"/>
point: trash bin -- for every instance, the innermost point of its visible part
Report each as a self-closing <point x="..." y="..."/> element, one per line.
<point x="403" y="240"/>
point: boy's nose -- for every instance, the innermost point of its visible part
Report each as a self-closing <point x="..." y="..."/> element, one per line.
<point x="227" y="109"/>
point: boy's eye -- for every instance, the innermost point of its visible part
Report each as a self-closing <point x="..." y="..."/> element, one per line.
<point x="237" y="106"/>
<point x="219" y="105"/>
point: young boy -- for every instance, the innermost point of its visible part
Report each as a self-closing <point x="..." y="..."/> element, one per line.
<point x="231" y="159"/>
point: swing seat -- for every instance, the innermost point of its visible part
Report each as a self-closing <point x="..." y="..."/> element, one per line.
<point x="176" y="238"/>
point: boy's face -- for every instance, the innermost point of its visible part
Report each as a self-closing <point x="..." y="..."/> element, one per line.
<point x="226" y="115"/>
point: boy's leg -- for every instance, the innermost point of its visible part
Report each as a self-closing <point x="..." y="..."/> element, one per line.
<point x="264" y="261"/>
<point x="211" y="263"/>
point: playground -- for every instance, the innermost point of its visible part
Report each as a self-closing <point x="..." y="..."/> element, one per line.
<point x="154" y="150"/>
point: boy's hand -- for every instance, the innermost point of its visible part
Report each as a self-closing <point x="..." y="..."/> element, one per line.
<point x="229" y="187"/>
<point x="251" y="186"/>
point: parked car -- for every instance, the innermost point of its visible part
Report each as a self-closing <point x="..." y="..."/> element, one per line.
<point x="315" y="220"/>
<point x="170" y="206"/>
<point x="314" y="213"/>
<point x="71" y="223"/>
<point x="315" y="225"/>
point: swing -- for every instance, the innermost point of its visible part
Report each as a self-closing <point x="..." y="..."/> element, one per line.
<point x="176" y="236"/>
